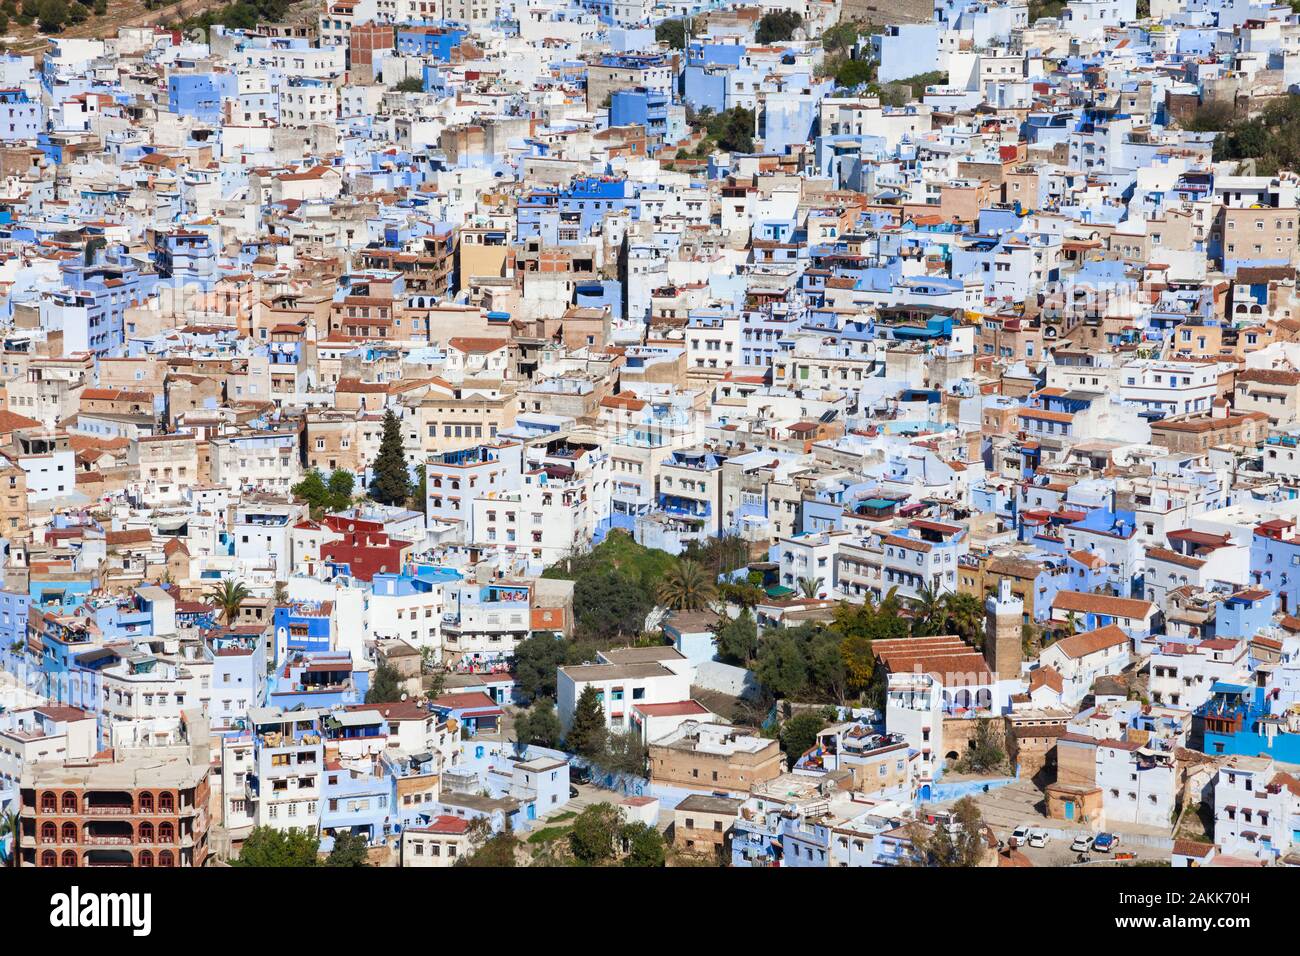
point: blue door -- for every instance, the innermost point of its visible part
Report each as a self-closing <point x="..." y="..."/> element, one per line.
<point x="1069" y="809"/>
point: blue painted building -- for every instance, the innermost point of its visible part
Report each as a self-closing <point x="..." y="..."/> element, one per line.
<point x="200" y="94"/>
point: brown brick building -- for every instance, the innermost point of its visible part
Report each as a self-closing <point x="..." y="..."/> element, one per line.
<point x="112" y="812"/>
<point x="714" y="757"/>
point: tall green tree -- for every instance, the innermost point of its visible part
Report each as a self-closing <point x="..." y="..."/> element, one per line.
<point x="672" y="32"/>
<point x="609" y="605"/>
<point x="539" y="724"/>
<point x="644" y="845"/>
<point x="313" y="490"/>
<point x="587" y="733"/>
<point x="737" y="637"/>
<point x="390" y="482"/>
<point x="594" y="834"/>
<point x="385" y="686"/>
<point x="229" y="596"/>
<point x="51" y="15"/>
<point x="799" y="735"/>
<point x="268" y="847"/>
<point x="736" y="132"/>
<point x="782" y="667"/>
<point x="535" y="661"/>
<point x="623" y="754"/>
<point x="341" y="485"/>
<point x="777" y="26"/>
<point x="349" y="850"/>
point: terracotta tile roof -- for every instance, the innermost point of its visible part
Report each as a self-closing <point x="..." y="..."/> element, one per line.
<point x="1090" y="642"/>
<point x="1105" y="604"/>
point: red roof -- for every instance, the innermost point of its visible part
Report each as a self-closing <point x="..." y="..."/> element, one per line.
<point x="680" y="708"/>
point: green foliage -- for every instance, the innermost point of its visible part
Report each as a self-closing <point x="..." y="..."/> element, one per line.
<point x="803" y="661"/>
<point x="385" y="686"/>
<point x="539" y="725"/>
<point x="594" y="834"/>
<point x="609" y="605"/>
<point x="349" y="850"/>
<point x="735" y="131"/>
<point x="1046" y="8"/>
<point x="644" y="845"/>
<point x="336" y="495"/>
<point x="720" y="555"/>
<point x="852" y="73"/>
<point x="963" y="615"/>
<point x="984" y="754"/>
<point x="244" y="15"/>
<point x="927" y="611"/>
<point x="412" y="84"/>
<point x="672" y="32"/>
<point x="744" y="593"/>
<point x="687" y="587"/>
<point x="859" y="626"/>
<point x="910" y="89"/>
<point x="51" y="15"/>
<point x="777" y="26"/>
<point x="963" y="848"/>
<point x="341" y="486"/>
<point x="614" y="585"/>
<point x="229" y="596"/>
<point x="421" y="493"/>
<point x="1272" y="138"/>
<point x="737" y="638"/>
<point x="391" y="481"/>
<point x="1211" y="117"/>
<point x="266" y="846"/>
<point x="535" y="660"/>
<point x="497" y="851"/>
<point x="622" y="754"/>
<point x="93" y="245"/>
<point x="840" y="39"/>
<point x="799" y="735"/>
<point x="587" y="733"/>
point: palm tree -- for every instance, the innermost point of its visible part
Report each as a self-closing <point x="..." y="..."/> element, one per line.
<point x="927" y="611"/>
<point x="9" y="828"/>
<point x="964" y="615"/>
<point x="808" y="587"/>
<point x="229" y="597"/>
<point x="686" y="587"/>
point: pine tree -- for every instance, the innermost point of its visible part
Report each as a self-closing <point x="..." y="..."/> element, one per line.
<point x="391" y="482"/>
<point x="587" y="733"/>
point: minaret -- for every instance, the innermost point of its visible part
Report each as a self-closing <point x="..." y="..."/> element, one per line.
<point x="1002" y="627"/>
